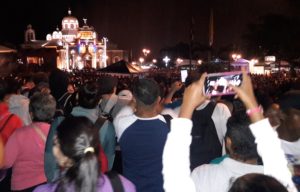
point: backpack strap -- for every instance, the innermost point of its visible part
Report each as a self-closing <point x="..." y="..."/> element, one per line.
<point x="168" y="119"/>
<point x="210" y="108"/>
<point x="40" y="133"/>
<point x="100" y="122"/>
<point x="7" y="120"/>
<point x="110" y="103"/>
<point x="106" y="112"/>
<point x="109" y="115"/>
<point x="115" y="181"/>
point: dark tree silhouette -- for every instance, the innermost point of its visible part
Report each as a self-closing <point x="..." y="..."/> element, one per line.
<point x="274" y="35"/>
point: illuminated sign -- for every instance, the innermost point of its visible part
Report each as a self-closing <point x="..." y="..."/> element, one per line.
<point x="86" y="34"/>
<point x="270" y="59"/>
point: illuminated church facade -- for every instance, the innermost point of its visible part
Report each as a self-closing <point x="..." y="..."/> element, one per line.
<point x="72" y="47"/>
<point x="79" y="46"/>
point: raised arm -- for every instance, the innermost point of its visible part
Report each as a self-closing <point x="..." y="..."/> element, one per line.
<point x="268" y="143"/>
<point x="176" y="86"/>
<point x="176" y="163"/>
<point x="192" y="98"/>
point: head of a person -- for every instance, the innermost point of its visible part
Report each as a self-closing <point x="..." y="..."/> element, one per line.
<point x="76" y="148"/>
<point x="290" y="114"/>
<point x="3" y="89"/>
<point x="29" y="81"/>
<point x="71" y="88"/>
<point x="108" y="84"/>
<point x="255" y="182"/>
<point x="146" y="92"/>
<point x="195" y="75"/>
<point x="274" y="114"/>
<point x="58" y="83"/>
<point x="40" y="77"/>
<point x="192" y="77"/>
<point x="88" y="95"/>
<point x="240" y="142"/>
<point x="40" y="87"/>
<point x="125" y="94"/>
<point x="263" y="98"/>
<point x="13" y="86"/>
<point x="42" y="107"/>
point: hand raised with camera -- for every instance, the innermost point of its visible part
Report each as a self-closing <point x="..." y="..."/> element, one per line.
<point x="246" y="94"/>
<point x="193" y="97"/>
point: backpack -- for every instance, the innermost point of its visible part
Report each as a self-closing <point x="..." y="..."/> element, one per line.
<point x="65" y="104"/>
<point x="104" y="112"/>
<point x="205" y="145"/>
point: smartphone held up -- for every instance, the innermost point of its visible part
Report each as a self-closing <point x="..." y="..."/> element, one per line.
<point x="217" y="84"/>
<point x="183" y="74"/>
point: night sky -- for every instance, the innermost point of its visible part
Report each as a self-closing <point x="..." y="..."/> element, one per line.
<point x="134" y="24"/>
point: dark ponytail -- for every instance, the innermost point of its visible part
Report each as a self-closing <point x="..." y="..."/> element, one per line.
<point x="79" y="141"/>
<point x="87" y="173"/>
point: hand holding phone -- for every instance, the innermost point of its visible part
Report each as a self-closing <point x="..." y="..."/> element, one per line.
<point x="183" y="74"/>
<point x="217" y="84"/>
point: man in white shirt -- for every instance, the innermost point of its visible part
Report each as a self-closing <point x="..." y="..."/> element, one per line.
<point x="176" y="152"/>
<point x="240" y="144"/>
<point x="219" y="116"/>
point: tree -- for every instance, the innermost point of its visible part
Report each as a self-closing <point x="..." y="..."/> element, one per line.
<point x="182" y="50"/>
<point x="274" y="35"/>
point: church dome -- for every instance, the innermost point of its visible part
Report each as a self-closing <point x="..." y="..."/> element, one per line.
<point x="69" y="22"/>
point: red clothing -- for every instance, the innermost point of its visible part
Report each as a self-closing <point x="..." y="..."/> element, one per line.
<point x="24" y="152"/>
<point x="13" y="123"/>
<point x="104" y="162"/>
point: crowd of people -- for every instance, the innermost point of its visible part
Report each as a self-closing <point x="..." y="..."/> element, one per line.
<point x="92" y="131"/>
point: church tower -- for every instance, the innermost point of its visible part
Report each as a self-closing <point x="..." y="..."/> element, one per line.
<point x="29" y="34"/>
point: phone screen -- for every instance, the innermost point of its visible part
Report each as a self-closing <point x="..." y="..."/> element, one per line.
<point x="218" y="83"/>
<point x="184" y="74"/>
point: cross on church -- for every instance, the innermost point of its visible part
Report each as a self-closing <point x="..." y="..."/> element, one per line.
<point x="84" y="20"/>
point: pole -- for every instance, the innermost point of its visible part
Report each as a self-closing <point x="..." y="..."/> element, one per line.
<point x="191" y="42"/>
<point x="210" y="34"/>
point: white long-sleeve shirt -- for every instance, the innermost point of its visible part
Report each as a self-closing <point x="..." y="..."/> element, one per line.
<point x="176" y="170"/>
<point x="269" y="148"/>
<point x="176" y="161"/>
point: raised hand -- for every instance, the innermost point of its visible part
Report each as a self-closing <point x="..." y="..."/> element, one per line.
<point x="193" y="97"/>
<point x="246" y="94"/>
